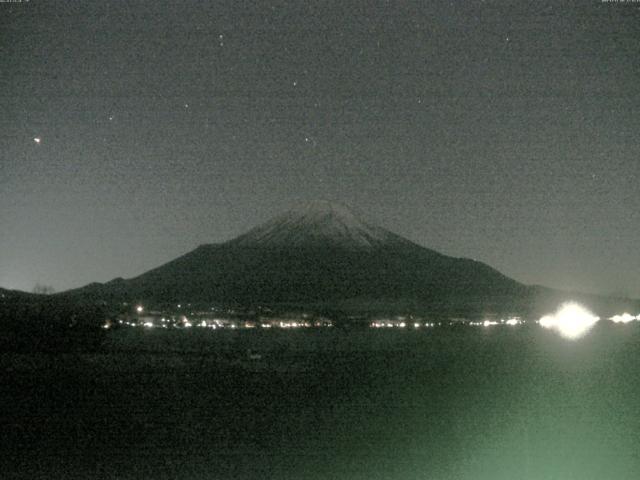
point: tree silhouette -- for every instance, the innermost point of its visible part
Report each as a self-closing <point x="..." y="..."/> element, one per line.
<point x="43" y="289"/>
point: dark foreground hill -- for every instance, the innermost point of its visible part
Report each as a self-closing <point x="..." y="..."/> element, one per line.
<point x="31" y="322"/>
<point x="322" y="255"/>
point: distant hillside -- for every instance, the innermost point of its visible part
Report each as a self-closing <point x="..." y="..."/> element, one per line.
<point x="16" y="294"/>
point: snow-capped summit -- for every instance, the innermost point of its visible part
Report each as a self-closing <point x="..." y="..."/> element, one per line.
<point x="314" y="224"/>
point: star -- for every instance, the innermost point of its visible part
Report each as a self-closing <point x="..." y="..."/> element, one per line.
<point x="295" y="83"/>
<point x="110" y="117"/>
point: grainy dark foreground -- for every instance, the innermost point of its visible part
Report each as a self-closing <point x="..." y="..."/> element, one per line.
<point x="467" y="403"/>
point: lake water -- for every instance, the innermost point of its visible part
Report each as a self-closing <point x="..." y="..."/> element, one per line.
<point x="463" y="403"/>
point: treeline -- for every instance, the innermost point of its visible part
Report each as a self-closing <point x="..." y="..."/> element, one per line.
<point x="50" y="324"/>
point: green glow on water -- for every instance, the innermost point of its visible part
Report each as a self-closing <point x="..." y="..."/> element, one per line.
<point x="494" y="403"/>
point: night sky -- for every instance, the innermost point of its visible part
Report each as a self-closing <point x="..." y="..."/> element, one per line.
<point x="131" y="132"/>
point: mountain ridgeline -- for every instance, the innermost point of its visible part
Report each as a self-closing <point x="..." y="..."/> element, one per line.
<point x="322" y="255"/>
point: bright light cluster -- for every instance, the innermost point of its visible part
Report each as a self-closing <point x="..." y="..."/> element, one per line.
<point x="512" y="321"/>
<point x="624" y="318"/>
<point x="399" y="324"/>
<point x="571" y="320"/>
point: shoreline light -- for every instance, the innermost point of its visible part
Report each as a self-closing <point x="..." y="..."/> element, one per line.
<point x="624" y="318"/>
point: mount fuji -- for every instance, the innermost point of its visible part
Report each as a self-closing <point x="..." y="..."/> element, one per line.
<point x="319" y="253"/>
<point x="323" y="255"/>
